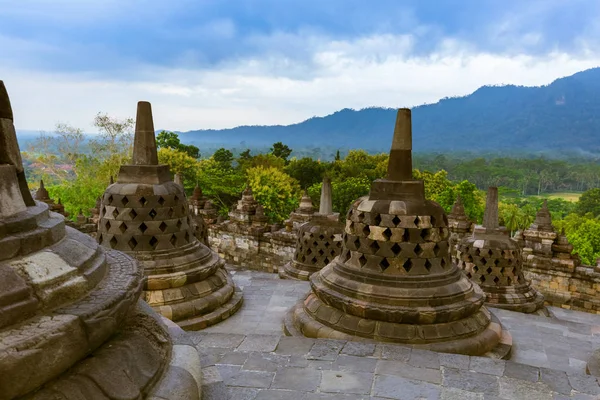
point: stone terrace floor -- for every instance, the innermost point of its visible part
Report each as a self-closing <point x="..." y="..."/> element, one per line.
<point x="256" y="362"/>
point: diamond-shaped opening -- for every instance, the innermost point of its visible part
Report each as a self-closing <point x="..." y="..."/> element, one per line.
<point x="357" y="243"/>
<point x="107" y="225"/>
<point x="133" y="214"/>
<point x="374" y="246"/>
<point x="327" y="244"/>
<point x="509" y="280"/>
<point x="153" y="242"/>
<point x="163" y="227"/>
<point x="396" y="220"/>
<point x="445" y="218"/>
<point x="313" y="260"/>
<point x="110" y="199"/>
<point x="321" y="252"/>
<point x="170" y="213"/>
<point x="418" y="250"/>
<point x="326" y="260"/>
<point x="443" y="263"/>
<point x="469" y="275"/>
<point x="407" y="265"/>
<point x="436" y="250"/>
<point x="346" y="255"/>
<point x="481" y="279"/>
<point x="315" y="244"/>
<point x="179" y="224"/>
<point x="123" y="227"/>
<point x="406" y="236"/>
<point x="424" y="233"/>
<point x="125" y="200"/>
<point x="161" y="200"/>
<point x="152" y="213"/>
<point x="377" y="219"/>
<point x="489" y="270"/>
<point x="477" y="252"/>
<point x="475" y="268"/>
<point x="102" y="212"/>
<point x="496" y="262"/>
<point x="470" y="258"/>
<point x="502" y="270"/>
<point x="187" y="236"/>
<point x="302" y="258"/>
<point x="143" y="201"/>
<point x="416" y="221"/>
<point x="113" y="242"/>
<point x="175" y="199"/>
<point x="143" y="227"/>
<point x="387" y="233"/>
<point x="384" y="264"/>
<point x="173" y="239"/>
<point x="428" y="265"/>
<point x="432" y="219"/>
<point x="362" y="260"/>
<point x="496" y="280"/>
<point x="115" y="213"/>
<point x="321" y="237"/>
<point x="366" y="230"/>
<point x="396" y="249"/>
<point x="308" y="251"/>
<point x="361" y="216"/>
<point x="483" y="260"/>
<point x="132" y="243"/>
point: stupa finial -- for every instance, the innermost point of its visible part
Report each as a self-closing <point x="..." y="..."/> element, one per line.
<point x="490" y="215"/>
<point x="144" y="145"/>
<point x="400" y="163"/>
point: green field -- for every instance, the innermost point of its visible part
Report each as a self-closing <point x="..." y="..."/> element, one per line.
<point x="569" y="196"/>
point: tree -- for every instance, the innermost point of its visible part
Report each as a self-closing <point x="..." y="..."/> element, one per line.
<point x="222" y="184"/>
<point x="179" y="162"/>
<point x="275" y="190"/>
<point x="170" y="140"/>
<point x="224" y="157"/>
<point x="244" y="155"/>
<point x="589" y="202"/>
<point x="306" y="171"/>
<point x="281" y="150"/>
<point x="337" y="156"/>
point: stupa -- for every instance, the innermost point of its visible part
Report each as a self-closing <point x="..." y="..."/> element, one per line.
<point x="71" y="326"/>
<point x="42" y="195"/>
<point x="301" y="215"/>
<point x="394" y="281"/>
<point x="145" y="214"/>
<point x="494" y="261"/>
<point x="459" y="225"/>
<point x="319" y="240"/>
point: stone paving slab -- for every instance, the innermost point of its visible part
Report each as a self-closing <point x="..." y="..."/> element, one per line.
<point x="256" y="362"/>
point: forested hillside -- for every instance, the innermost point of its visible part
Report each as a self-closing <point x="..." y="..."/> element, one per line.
<point x="516" y="119"/>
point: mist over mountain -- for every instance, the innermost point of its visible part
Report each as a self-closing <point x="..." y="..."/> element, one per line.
<point x="561" y="116"/>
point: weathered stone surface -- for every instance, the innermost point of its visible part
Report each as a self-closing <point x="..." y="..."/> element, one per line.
<point x="394" y="280"/>
<point x="494" y="261"/>
<point x="147" y="215"/>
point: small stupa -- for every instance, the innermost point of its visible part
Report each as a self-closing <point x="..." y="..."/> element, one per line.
<point x="301" y="215"/>
<point x="319" y="240"/>
<point x="459" y="225"/>
<point x="394" y="280"/>
<point x="494" y="261"/>
<point x="146" y="214"/>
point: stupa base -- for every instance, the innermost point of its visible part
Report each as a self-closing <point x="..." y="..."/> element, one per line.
<point x="288" y="271"/>
<point x="529" y="302"/>
<point x="493" y="341"/>
<point x="132" y="365"/>
<point x="221" y="313"/>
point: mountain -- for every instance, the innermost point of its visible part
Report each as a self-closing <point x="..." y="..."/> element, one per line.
<point x="564" y="115"/>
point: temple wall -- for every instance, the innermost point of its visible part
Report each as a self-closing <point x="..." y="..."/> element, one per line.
<point x="564" y="285"/>
<point x="260" y="252"/>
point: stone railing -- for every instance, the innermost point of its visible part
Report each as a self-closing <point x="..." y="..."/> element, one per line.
<point x="253" y="250"/>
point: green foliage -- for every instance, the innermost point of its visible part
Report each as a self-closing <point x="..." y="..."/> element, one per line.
<point x="275" y="190"/>
<point x="224" y="157"/>
<point x="261" y="160"/>
<point x="170" y="140"/>
<point x="220" y="183"/>
<point x="306" y="171"/>
<point x="589" y="202"/>
<point x="345" y="192"/>
<point x="179" y="162"/>
<point x="473" y="200"/>
<point x="281" y="150"/>
<point x="583" y="232"/>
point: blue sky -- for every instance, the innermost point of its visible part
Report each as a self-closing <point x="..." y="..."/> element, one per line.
<point x="215" y="64"/>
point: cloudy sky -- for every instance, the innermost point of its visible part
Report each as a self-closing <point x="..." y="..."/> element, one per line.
<point x="223" y="63"/>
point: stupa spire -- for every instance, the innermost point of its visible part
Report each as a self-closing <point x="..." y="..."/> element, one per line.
<point x="5" y="107"/>
<point x="400" y="163"/>
<point x="490" y="215"/>
<point x="325" y="206"/>
<point x="144" y="145"/>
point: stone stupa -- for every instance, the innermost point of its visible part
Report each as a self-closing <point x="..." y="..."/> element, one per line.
<point x="301" y="215"/>
<point x="319" y="240"/>
<point x="459" y="225"/>
<point x="494" y="261"/>
<point x="71" y="326"/>
<point x="394" y="280"/>
<point x="145" y="214"/>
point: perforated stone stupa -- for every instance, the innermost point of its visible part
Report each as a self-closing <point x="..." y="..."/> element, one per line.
<point x="71" y="326"/>
<point x="494" y="261"/>
<point x="319" y="240"/>
<point x="394" y="280"/>
<point x="459" y="225"/>
<point x="146" y="214"/>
